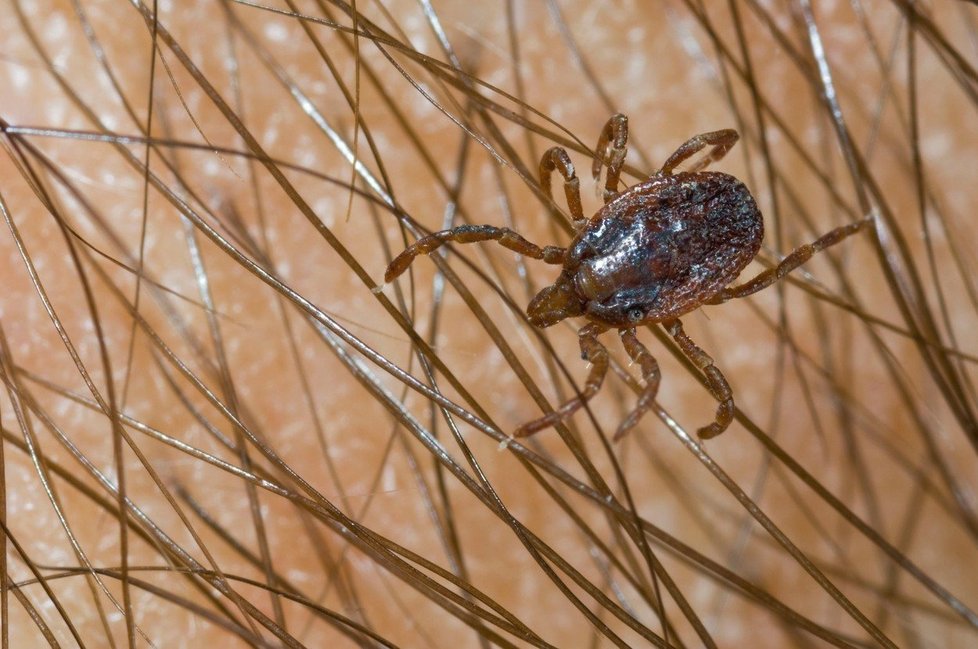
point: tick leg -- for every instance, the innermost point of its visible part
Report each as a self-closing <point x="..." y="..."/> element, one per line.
<point x="597" y="354"/>
<point x="721" y="141"/>
<point x="796" y="258"/>
<point x="557" y="159"/>
<point x="650" y="374"/>
<point x="611" y="150"/>
<point x="471" y="234"/>
<point x="719" y="387"/>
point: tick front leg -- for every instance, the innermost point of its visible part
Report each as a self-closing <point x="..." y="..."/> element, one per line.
<point x="597" y="354"/>
<point x="471" y="234"/>
<point x="611" y="150"/>
<point x="719" y="387"/>
<point x="721" y="141"/>
<point x="650" y="374"/>
<point x="797" y="257"/>
<point x="557" y="159"/>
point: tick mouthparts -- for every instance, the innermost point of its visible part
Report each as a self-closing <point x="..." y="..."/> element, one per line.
<point x="553" y="304"/>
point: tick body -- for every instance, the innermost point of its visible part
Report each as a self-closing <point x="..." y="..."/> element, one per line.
<point x="655" y="252"/>
<point x="652" y="253"/>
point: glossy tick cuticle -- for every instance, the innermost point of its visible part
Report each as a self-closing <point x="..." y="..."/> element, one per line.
<point x="652" y="253"/>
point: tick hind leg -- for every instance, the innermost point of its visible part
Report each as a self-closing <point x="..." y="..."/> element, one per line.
<point x="796" y="258"/>
<point x="597" y="354"/>
<point x="719" y="387"/>
<point x="611" y="150"/>
<point x="471" y="234"/>
<point x="650" y="374"/>
<point x="721" y="141"/>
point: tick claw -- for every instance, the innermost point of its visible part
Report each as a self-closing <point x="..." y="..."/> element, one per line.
<point x="709" y="432"/>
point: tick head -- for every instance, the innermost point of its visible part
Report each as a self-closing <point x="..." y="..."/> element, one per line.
<point x="554" y="303"/>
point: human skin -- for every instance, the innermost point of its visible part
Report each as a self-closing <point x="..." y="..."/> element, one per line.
<point x="839" y="395"/>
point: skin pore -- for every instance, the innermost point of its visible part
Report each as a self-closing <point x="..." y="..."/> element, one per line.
<point x="306" y="462"/>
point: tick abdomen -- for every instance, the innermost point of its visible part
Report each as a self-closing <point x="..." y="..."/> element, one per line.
<point x="666" y="245"/>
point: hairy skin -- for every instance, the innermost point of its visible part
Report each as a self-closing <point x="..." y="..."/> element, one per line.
<point x="641" y="55"/>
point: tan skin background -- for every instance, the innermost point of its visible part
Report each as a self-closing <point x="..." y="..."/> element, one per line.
<point x="259" y="455"/>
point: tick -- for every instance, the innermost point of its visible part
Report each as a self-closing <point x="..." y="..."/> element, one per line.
<point x="652" y="253"/>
